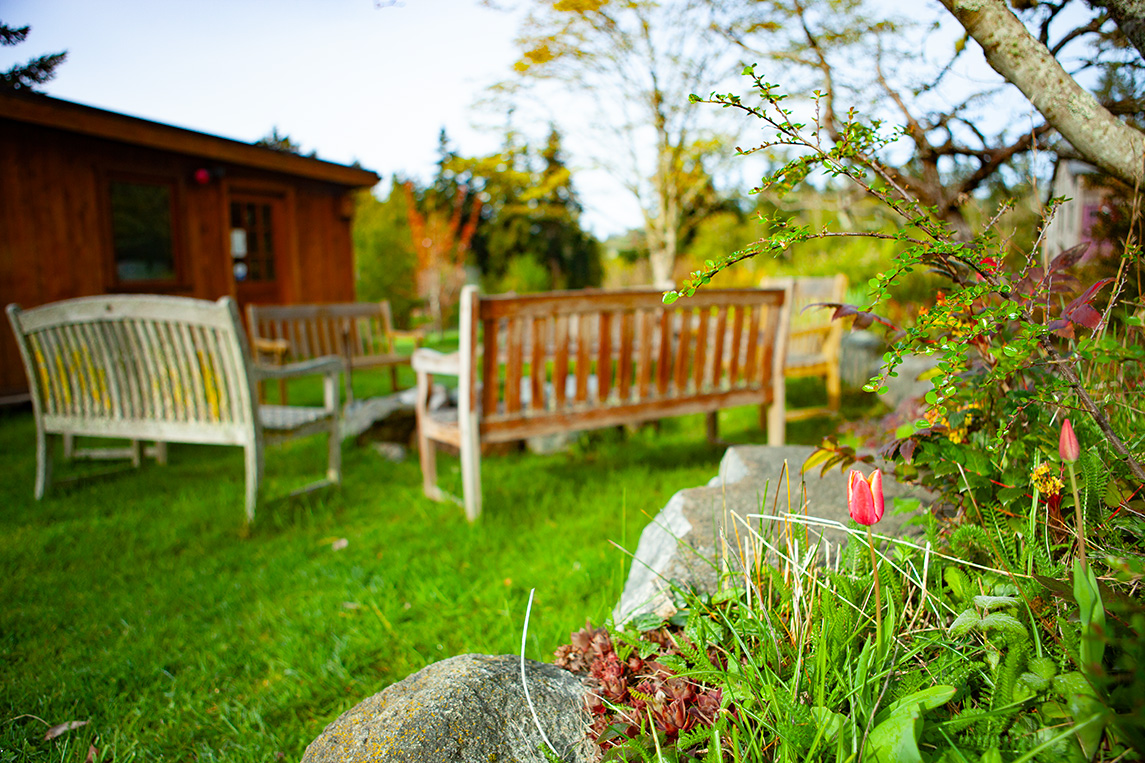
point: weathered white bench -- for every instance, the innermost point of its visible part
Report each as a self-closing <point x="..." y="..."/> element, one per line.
<point x="361" y="333"/>
<point x="567" y="361"/>
<point x="168" y="369"/>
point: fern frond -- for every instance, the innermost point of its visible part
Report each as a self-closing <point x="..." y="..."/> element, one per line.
<point x="969" y="538"/>
<point x="1096" y="475"/>
<point x="695" y="737"/>
<point x="1008" y="671"/>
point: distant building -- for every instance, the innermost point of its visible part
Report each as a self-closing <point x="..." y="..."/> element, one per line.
<point x="1087" y="195"/>
<point x="96" y="202"/>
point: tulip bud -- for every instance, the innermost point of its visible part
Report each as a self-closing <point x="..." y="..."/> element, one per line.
<point x="865" y="497"/>
<point x="1068" y="447"/>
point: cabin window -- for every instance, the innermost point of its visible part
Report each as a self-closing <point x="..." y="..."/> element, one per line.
<point x="141" y="231"/>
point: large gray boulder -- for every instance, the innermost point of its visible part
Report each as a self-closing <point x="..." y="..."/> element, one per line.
<point x="703" y="533"/>
<point x="468" y="708"/>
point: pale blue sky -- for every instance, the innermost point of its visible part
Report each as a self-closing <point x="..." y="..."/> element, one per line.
<point x="345" y="78"/>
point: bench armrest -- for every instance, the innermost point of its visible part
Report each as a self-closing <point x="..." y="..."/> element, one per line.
<point x="417" y="335"/>
<point x="426" y="361"/>
<point x="329" y="364"/>
<point x="274" y="349"/>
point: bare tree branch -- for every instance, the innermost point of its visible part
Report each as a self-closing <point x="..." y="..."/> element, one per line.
<point x="1014" y="53"/>
<point x="1129" y="15"/>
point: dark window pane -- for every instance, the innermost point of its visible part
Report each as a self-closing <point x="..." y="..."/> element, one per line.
<point x="141" y="231"/>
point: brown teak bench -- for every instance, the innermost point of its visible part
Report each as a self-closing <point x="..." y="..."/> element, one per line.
<point x="567" y="361"/>
<point x="361" y="333"/>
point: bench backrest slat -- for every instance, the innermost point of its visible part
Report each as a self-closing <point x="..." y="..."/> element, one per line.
<point x="538" y="339"/>
<point x="561" y="357"/>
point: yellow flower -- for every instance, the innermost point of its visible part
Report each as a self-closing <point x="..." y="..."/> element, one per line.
<point x="1046" y="482"/>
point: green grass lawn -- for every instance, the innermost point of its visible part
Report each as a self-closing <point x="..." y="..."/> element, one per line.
<point x="137" y="602"/>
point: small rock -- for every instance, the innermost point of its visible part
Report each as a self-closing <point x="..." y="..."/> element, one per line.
<point x="469" y="708"/>
<point x="390" y="451"/>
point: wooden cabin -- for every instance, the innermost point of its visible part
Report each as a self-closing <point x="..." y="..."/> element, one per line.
<point x="95" y="202"/>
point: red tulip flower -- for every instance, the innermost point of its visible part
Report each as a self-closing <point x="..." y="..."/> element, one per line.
<point x="1070" y="451"/>
<point x="865" y="497"/>
<point x="1068" y="447"/>
<point x="865" y="500"/>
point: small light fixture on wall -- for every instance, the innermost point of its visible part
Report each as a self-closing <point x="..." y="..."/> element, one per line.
<point x="204" y="175"/>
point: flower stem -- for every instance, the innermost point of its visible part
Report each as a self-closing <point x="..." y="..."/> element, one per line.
<point x="1079" y="518"/>
<point x="878" y="594"/>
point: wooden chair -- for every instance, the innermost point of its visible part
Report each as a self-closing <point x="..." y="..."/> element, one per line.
<point x="163" y="369"/>
<point x="814" y="339"/>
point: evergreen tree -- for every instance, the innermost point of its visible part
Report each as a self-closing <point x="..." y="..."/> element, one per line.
<point x="280" y="142"/>
<point x="572" y="255"/>
<point x="530" y="237"/>
<point x="36" y="71"/>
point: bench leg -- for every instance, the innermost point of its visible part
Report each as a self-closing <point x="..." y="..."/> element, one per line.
<point x="776" y="424"/>
<point x="69" y="447"/>
<point x="713" y="427"/>
<point x="334" y="454"/>
<point x="471" y="467"/>
<point x="43" y="462"/>
<point x="254" y="466"/>
<point x="427" y="451"/>
<point x="834" y="388"/>
<point x="334" y="439"/>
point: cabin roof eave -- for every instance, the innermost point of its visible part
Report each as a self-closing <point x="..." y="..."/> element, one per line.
<point x="69" y="116"/>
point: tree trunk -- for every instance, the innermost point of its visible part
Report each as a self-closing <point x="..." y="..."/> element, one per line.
<point x="663" y="261"/>
<point x="662" y="225"/>
<point x="1014" y="53"/>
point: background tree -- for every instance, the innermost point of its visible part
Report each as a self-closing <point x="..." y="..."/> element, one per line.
<point x="384" y="257"/>
<point x="960" y="140"/>
<point x="37" y="71"/>
<point x="530" y="237"/>
<point x="442" y="222"/>
<point x="1026" y="62"/>
<point x="638" y="61"/>
<point x="281" y="142"/>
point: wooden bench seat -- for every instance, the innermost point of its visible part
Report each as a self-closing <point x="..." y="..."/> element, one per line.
<point x="164" y="369"/>
<point x="362" y="333"/>
<point x="568" y="361"/>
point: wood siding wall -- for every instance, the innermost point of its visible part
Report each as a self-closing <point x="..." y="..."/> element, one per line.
<point x="55" y="231"/>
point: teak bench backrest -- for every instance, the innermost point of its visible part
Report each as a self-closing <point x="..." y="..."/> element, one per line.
<point x="168" y="369"/>
<point x="100" y="365"/>
<point x="582" y="360"/>
<point x="362" y="333"/>
<point x="566" y="361"/>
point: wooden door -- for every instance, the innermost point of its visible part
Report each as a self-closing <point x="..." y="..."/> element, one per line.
<point x="257" y="244"/>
